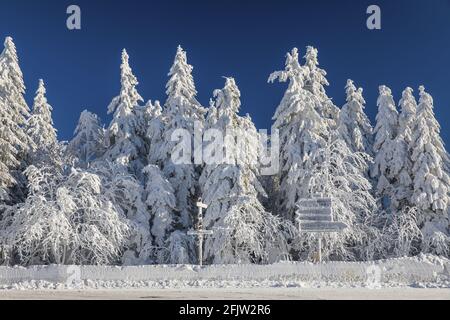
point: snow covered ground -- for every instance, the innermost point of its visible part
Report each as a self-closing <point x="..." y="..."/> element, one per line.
<point x="234" y="294"/>
<point x="422" y="277"/>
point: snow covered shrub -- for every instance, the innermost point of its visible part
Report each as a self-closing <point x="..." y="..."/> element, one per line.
<point x="66" y="219"/>
<point x="435" y="237"/>
<point x="180" y="249"/>
<point x="126" y="193"/>
<point x="403" y="236"/>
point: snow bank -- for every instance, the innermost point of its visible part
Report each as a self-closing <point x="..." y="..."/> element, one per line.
<point x="407" y="271"/>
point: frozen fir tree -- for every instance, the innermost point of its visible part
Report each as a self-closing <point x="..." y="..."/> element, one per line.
<point x="303" y="131"/>
<point x="431" y="181"/>
<point x="402" y="163"/>
<point x="384" y="145"/>
<point x="45" y="149"/>
<point x="66" y="219"/>
<point x="155" y="125"/>
<point x="243" y="231"/>
<point x="125" y="145"/>
<point x="161" y="202"/>
<point x="354" y="125"/>
<point x="182" y="114"/>
<point x="315" y="82"/>
<point x="14" y="111"/>
<point x="88" y="141"/>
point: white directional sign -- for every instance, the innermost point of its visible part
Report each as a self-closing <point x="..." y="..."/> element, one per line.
<point x="199" y="232"/>
<point x="316" y="216"/>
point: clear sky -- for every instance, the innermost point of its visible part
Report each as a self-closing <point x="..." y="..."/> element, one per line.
<point x="244" y="39"/>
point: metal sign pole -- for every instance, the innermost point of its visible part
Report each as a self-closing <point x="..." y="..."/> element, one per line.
<point x="320" y="249"/>
<point x="200" y="232"/>
<point x="200" y="250"/>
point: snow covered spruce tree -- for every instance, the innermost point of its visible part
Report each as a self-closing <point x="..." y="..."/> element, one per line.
<point x="182" y="115"/>
<point x="88" y="141"/>
<point x="315" y="81"/>
<point x="14" y="141"/>
<point x="243" y="231"/>
<point x="354" y="125"/>
<point x="402" y="164"/>
<point x="303" y="131"/>
<point x="161" y="202"/>
<point x="45" y="149"/>
<point x="66" y="219"/>
<point x="384" y="145"/>
<point x="124" y="141"/>
<point x="401" y="231"/>
<point x="155" y="125"/>
<point x="431" y="181"/>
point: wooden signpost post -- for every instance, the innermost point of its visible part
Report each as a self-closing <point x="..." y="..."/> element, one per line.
<point x="199" y="232"/>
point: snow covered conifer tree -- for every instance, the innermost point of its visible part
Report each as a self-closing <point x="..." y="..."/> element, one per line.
<point x="161" y="202"/>
<point x="13" y="114"/>
<point x="384" y="146"/>
<point x="353" y="123"/>
<point x="315" y="82"/>
<point x="88" y="142"/>
<point x="303" y="131"/>
<point x="431" y="181"/>
<point x="181" y="111"/>
<point x="155" y="130"/>
<point x="124" y="142"/>
<point x="41" y="131"/>
<point x="243" y="231"/>
<point x="402" y="163"/>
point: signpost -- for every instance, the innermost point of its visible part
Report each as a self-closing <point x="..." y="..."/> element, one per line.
<point x="200" y="233"/>
<point x="316" y="216"/>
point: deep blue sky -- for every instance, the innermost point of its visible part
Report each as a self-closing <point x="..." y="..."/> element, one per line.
<point x="244" y="39"/>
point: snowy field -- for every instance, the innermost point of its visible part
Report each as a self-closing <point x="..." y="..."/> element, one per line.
<point x="423" y="277"/>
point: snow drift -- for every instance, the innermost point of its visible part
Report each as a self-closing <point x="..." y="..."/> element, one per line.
<point x="402" y="271"/>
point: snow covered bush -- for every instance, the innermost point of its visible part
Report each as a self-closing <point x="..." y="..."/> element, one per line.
<point x="66" y="219"/>
<point x="402" y="234"/>
<point x="126" y="193"/>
